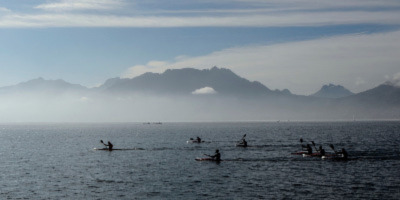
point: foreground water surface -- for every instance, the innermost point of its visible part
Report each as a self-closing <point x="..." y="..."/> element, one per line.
<point x="58" y="161"/>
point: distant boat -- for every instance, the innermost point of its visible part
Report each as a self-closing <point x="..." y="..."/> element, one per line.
<point x="148" y="123"/>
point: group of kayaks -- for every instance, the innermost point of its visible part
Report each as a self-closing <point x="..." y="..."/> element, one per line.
<point x="216" y="157"/>
<point x="307" y="151"/>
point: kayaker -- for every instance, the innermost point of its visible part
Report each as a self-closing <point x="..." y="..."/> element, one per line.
<point x="109" y="145"/>
<point x="244" y="142"/>
<point x="344" y="153"/>
<point x="309" y="149"/>
<point x="198" y="140"/>
<point x="216" y="156"/>
<point x="321" y="151"/>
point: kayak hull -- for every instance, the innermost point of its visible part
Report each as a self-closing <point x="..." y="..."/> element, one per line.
<point x="106" y="149"/>
<point x="319" y="155"/>
<point x="194" y="141"/>
<point x="299" y="153"/>
<point x="206" y="159"/>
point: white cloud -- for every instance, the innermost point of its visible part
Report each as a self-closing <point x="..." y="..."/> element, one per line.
<point x="4" y="10"/>
<point x="320" y="4"/>
<point x="396" y="79"/>
<point x="271" y="19"/>
<point x="152" y="66"/>
<point x="204" y="90"/>
<point x="68" y="5"/>
<point x="253" y="13"/>
<point x="303" y="67"/>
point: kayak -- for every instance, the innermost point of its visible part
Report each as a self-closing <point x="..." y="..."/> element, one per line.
<point x="241" y="145"/>
<point x="206" y="159"/>
<point x="194" y="141"/>
<point x="335" y="157"/>
<point x="299" y="153"/>
<point x="106" y="149"/>
<point x="311" y="155"/>
<point x="319" y="155"/>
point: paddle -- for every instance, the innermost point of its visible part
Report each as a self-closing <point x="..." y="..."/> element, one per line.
<point x="314" y="146"/>
<point x="103" y="143"/>
<point x="238" y="142"/>
<point x="243" y="136"/>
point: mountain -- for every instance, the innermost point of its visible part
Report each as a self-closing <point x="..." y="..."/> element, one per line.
<point x="189" y="95"/>
<point x="186" y="81"/>
<point x="42" y="86"/>
<point x="332" y="91"/>
<point x="383" y="95"/>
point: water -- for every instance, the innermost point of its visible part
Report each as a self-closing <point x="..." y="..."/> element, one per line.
<point x="57" y="161"/>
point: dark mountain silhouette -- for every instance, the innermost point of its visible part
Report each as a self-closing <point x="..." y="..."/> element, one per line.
<point x="332" y="91"/>
<point x="185" y="81"/>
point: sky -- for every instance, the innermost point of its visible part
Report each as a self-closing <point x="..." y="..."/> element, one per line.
<point x="291" y="44"/>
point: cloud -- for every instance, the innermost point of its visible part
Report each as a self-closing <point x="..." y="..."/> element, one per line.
<point x="152" y="66"/>
<point x="204" y="90"/>
<point x="253" y="13"/>
<point x="303" y="67"/>
<point x="250" y="20"/>
<point x="4" y="10"/>
<point x="84" y="99"/>
<point x="69" y="5"/>
<point x="395" y="80"/>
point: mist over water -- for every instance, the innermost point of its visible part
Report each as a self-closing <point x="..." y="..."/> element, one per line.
<point x="92" y="107"/>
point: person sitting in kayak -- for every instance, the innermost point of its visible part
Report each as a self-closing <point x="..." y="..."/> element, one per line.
<point x="216" y="156"/>
<point x="344" y="153"/>
<point x="309" y="149"/>
<point x="243" y="143"/>
<point x="109" y="145"/>
<point x="321" y="151"/>
<point x="198" y="140"/>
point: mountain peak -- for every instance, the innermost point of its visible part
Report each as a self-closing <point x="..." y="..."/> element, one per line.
<point x="332" y="91"/>
<point x="187" y="80"/>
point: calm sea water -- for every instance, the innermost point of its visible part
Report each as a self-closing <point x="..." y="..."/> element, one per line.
<point x="57" y="161"/>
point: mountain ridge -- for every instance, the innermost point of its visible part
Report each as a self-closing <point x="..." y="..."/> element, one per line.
<point x="185" y="81"/>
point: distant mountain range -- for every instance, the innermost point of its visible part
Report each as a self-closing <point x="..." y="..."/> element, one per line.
<point x="43" y="86"/>
<point x="330" y="102"/>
